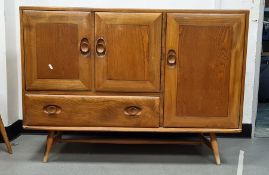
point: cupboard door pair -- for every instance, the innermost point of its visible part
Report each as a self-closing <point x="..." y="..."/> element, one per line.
<point x="204" y="70"/>
<point x="60" y="47"/>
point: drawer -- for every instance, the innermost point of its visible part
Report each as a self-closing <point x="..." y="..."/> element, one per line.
<point x="82" y="111"/>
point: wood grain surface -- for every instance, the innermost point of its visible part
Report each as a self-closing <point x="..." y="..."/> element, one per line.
<point x="53" y="60"/>
<point x="204" y="88"/>
<point x="198" y="89"/>
<point x="78" y="110"/>
<point x="133" y="44"/>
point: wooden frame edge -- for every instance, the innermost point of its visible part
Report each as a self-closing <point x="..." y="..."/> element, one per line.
<point x="125" y="129"/>
<point x="241" y="110"/>
<point x="88" y="9"/>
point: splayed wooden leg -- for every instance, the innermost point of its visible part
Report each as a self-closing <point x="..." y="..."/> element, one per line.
<point x="215" y="147"/>
<point x="50" y="141"/>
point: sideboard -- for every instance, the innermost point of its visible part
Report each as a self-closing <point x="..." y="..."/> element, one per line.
<point x="133" y="70"/>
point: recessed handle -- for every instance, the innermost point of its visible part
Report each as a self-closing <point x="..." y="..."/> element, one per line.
<point x="132" y="111"/>
<point x="84" y="46"/>
<point x="52" y="109"/>
<point x="171" y="58"/>
<point x="100" y="47"/>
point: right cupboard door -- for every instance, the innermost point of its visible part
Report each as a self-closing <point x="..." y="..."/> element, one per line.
<point x="204" y="70"/>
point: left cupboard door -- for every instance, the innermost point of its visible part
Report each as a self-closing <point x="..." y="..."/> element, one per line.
<point x="57" y="50"/>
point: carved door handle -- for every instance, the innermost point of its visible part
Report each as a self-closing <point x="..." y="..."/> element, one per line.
<point x="84" y="46"/>
<point x="171" y="58"/>
<point x="100" y="47"/>
<point x="52" y="109"/>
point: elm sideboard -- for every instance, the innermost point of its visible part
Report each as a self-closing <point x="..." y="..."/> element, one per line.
<point x="130" y="70"/>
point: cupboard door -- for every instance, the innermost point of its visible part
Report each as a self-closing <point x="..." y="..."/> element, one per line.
<point x="128" y="51"/>
<point x="57" y="50"/>
<point x="204" y="70"/>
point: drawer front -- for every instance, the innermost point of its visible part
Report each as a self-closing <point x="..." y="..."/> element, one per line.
<point x="103" y="111"/>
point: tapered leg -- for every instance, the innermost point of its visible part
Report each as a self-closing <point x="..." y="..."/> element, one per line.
<point x="4" y="134"/>
<point x="215" y="147"/>
<point x="50" y="140"/>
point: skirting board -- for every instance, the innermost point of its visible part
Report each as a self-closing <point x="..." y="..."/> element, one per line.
<point x="15" y="130"/>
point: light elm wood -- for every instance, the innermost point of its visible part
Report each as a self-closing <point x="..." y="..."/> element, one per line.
<point x="90" y="93"/>
<point x="53" y="50"/>
<point x="162" y="69"/>
<point x="132" y="46"/>
<point x="82" y="111"/>
<point x="23" y="89"/>
<point x="50" y="142"/>
<point x="133" y="70"/>
<point x="244" y="70"/>
<point x="133" y="10"/>
<point x="203" y="74"/>
<point x="132" y="129"/>
<point x="212" y="144"/>
<point x="215" y="147"/>
<point x="129" y="141"/>
<point x="5" y="137"/>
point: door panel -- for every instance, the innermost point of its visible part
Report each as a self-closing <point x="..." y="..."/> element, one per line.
<point x="46" y="34"/>
<point x="130" y="51"/>
<point x="203" y="77"/>
<point x="53" y="43"/>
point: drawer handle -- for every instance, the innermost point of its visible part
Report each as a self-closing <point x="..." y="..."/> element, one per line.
<point x="132" y="111"/>
<point x="52" y="109"/>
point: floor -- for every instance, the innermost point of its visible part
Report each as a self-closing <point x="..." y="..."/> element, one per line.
<point x="80" y="159"/>
<point x="262" y="121"/>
